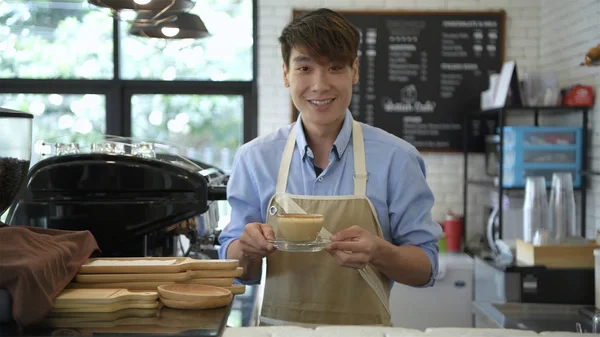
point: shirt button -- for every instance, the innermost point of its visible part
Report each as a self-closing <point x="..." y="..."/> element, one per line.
<point x="320" y="179"/>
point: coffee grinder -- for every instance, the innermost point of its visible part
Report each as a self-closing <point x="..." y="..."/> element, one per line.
<point x="15" y="156"/>
<point x="15" y="153"/>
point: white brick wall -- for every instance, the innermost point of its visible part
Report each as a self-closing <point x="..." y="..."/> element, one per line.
<point x="274" y="104"/>
<point x="567" y="33"/>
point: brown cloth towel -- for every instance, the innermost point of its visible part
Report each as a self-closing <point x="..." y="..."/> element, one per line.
<point x="36" y="264"/>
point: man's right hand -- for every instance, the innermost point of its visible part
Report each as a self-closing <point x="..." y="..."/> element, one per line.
<point x="254" y="242"/>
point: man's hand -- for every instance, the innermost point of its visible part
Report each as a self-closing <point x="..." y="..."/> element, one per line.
<point x="353" y="247"/>
<point x="254" y="242"/>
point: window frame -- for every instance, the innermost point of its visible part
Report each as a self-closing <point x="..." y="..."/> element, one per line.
<point x="118" y="91"/>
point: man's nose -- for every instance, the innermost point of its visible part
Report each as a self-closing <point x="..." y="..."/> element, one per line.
<point x="320" y="81"/>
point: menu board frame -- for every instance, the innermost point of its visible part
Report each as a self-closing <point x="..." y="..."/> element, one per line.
<point x="475" y="141"/>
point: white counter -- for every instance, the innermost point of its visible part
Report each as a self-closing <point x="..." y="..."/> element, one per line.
<point x="361" y="331"/>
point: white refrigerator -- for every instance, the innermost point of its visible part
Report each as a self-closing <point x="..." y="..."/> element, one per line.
<point x="446" y="304"/>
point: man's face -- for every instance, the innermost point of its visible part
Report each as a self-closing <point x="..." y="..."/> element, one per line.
<point x="322" y="92"/>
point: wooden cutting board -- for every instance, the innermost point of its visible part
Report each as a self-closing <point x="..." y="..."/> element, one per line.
<point x="219" y="282"/>
<point x="236" y="289"/>
<point x="159" y="277"/>
<point x="105" y="316"/>
<point x="163" y="321"/>
<point x="69" y="297"/>
<point x="237" y="272"/>
<point x="135" y="265"/>
<point x="71" y="322"/>
<point x="149" y="286"/>
<point x="112" y="307"/>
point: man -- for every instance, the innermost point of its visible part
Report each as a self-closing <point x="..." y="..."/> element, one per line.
<point x="369" y="185"/>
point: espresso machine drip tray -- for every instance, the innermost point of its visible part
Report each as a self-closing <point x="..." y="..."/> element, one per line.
<point x="126" y="192"/>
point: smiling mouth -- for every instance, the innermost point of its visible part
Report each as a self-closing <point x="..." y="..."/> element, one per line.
<point x="322" y="102"/>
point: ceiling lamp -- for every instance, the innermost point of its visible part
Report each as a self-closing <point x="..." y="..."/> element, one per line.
<point x="178" y="26"/>
<point x="145" y="5"/>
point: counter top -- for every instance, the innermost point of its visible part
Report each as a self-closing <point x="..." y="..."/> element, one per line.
<point x="535" y="316"/>
<point x="163" y="321"/>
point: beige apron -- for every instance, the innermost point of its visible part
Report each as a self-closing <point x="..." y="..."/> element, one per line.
<point x="311" y="289"/>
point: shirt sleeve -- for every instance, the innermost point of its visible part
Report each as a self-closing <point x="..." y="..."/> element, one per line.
<point x="410" y="203"/>
<point x="244" y="200"/>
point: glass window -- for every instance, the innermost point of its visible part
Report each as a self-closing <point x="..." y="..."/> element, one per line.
<point x="55" y="39"/>
<point x="208" y="127"/>
<point x="82" y="117"/>
<point x="224" y="56"/>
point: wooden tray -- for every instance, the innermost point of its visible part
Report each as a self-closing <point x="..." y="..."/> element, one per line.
<point x="556" y="256"/>
<point x="69" y="297"/>
<point x="159" y="277"/>
<point x="132" y="265"/>
<point x="149" y="286"/>
<point x="192" y="292"/>
<point x="110" y="307"/>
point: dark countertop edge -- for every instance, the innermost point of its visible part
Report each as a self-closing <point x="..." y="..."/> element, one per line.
<point x="517" y="266"/>
<point x="219" y="332"/>
<point x="120" y="334"/>
<point x="488" y="311"/>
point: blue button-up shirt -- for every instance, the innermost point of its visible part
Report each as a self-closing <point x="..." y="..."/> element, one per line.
<point x="396" y="185"/>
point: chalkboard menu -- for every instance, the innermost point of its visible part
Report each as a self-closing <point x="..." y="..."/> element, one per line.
<point x="421" y="72"/>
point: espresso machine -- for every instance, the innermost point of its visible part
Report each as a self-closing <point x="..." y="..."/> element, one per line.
<point x="137" y="197"/>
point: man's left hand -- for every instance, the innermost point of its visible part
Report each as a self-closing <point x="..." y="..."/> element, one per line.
<point x="353" y="247"/>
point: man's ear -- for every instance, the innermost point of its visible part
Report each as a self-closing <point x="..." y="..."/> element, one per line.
<point x="355" y="75"/>
<point x="286" y="81"/>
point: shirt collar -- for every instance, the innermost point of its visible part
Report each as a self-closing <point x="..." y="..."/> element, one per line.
<point x="340" y="144"/>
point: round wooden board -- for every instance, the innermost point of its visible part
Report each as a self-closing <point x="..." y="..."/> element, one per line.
<point x="208" y="303"/>
<point x="192" y="292"/>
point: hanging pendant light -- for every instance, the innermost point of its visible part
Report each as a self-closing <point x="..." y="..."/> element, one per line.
<point x="175" y="26"/>
<point x="145" y="5"/>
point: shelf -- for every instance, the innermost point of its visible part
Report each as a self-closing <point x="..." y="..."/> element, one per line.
<point x="499" y="118"/>
<point x="488" y="183"/>
<point x="492" y="183"/>
<point x="543" y="109"/>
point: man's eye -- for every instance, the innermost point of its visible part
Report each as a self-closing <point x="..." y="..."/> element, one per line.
<point x="303" y="68"/>
<point x="336" y="68"/>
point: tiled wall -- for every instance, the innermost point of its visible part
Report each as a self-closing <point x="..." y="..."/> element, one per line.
<point x="445" y="171"/>
<point x="567" y="33"/>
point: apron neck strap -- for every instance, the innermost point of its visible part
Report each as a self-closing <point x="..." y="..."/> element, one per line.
<point x="360" y="166"/>
<point x="286" y="160"/>
<point x="360" y="169"/>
